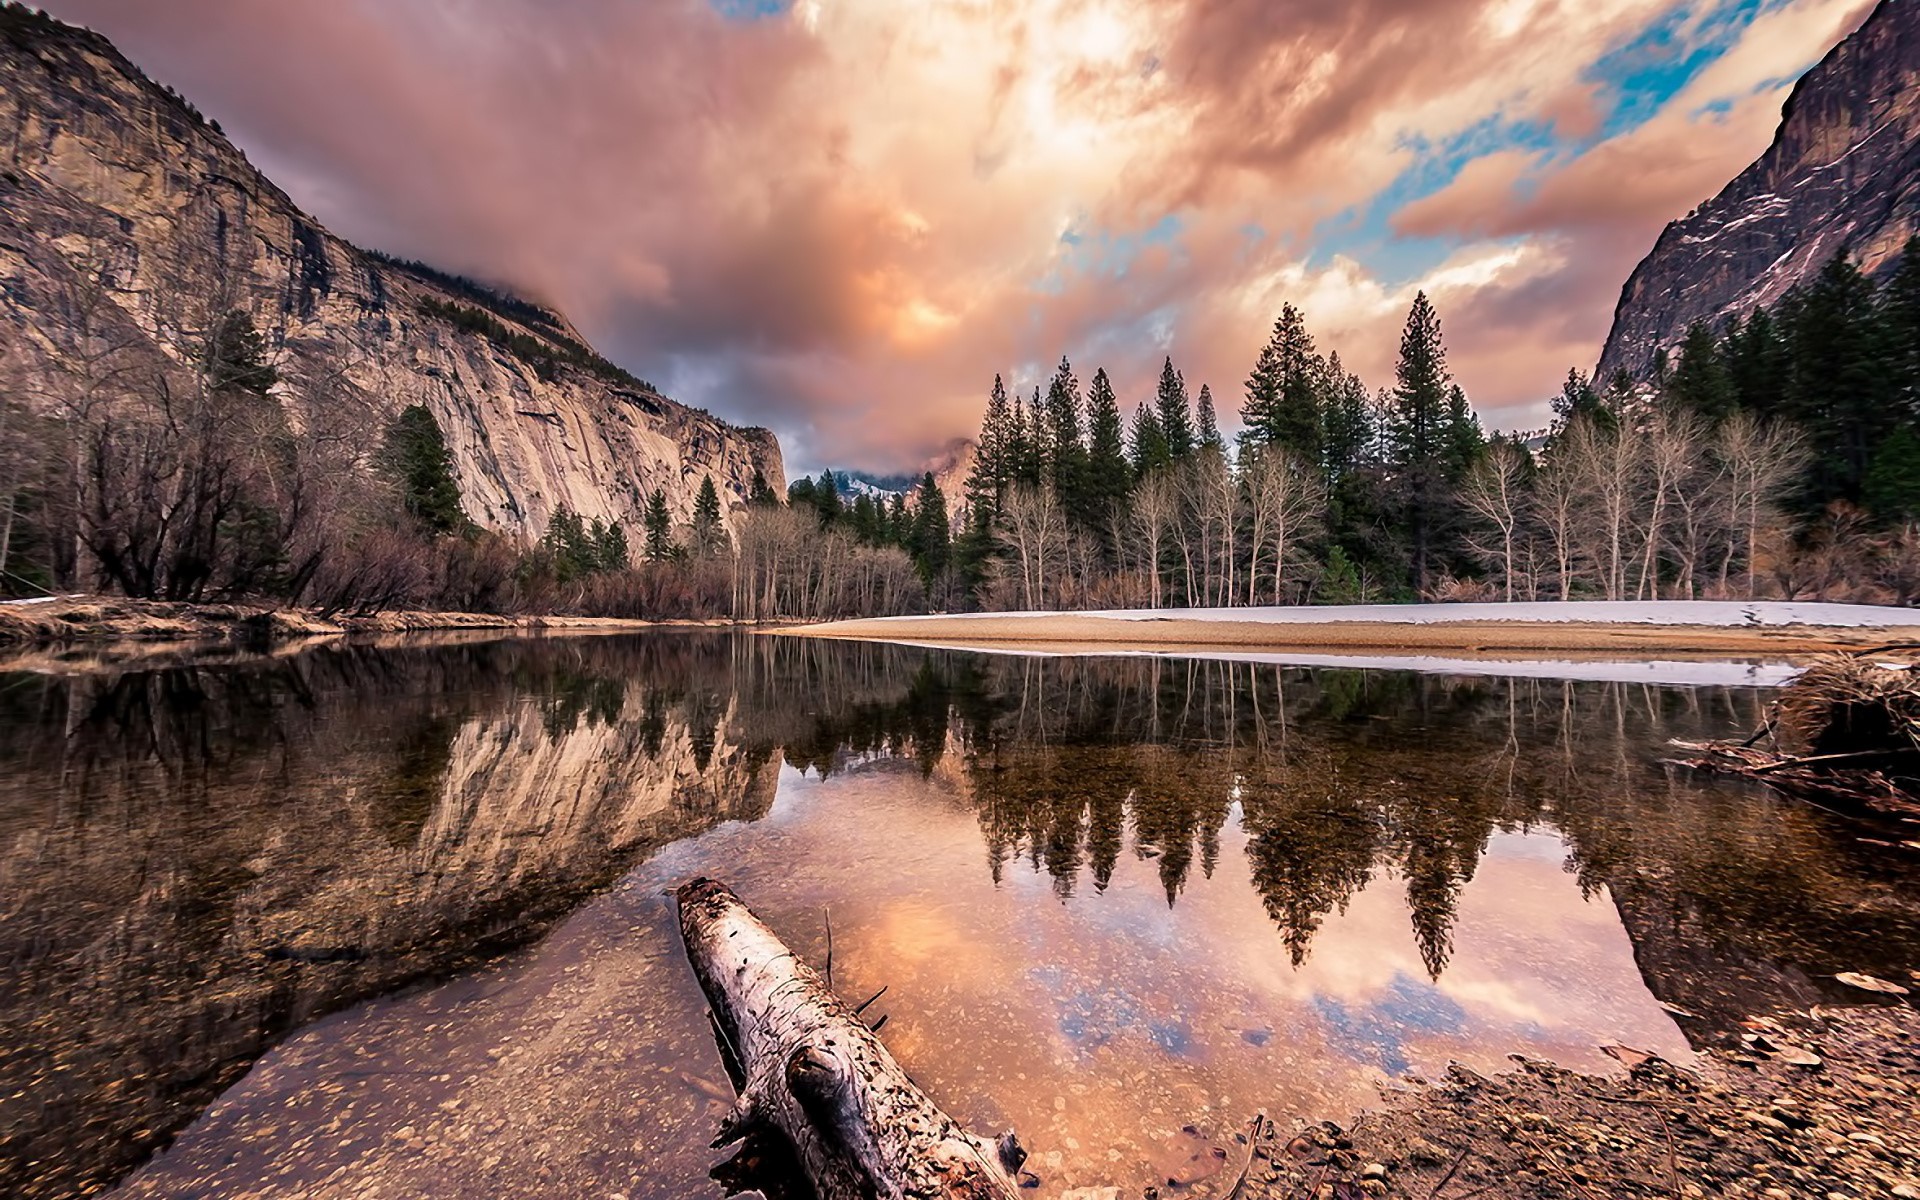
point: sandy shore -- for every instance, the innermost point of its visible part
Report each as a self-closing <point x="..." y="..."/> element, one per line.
<point x="1066" y="633"/>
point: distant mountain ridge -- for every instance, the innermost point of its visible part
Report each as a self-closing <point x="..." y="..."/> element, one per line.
<point x="116" y="188"/>
<point x="1843" y="173"/>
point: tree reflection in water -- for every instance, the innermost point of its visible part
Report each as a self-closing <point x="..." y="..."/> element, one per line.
<point x="199" y="859"/>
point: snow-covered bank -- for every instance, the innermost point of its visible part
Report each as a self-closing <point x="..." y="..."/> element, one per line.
<point x="1579" y="630"/>
<point x="1720" y="614"/>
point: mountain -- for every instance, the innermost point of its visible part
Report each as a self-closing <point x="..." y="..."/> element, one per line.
<point x="1843" y="173"/>
<point x="127" y="219"/>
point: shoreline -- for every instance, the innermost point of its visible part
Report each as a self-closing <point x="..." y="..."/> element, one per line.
<point x="1818" y="1103"/>
<point x="1066" y="633"/>
<point x="87" y="619"/>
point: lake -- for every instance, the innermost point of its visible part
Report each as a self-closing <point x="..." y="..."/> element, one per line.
<point x="393" y="921"/>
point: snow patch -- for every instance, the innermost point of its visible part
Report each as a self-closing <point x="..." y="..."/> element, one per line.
<point x="1719" y="614"/>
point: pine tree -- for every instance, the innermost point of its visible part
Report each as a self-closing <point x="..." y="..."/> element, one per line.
<point x="931" y="538"/>
<point x="826" y="498"/>
<point x="899" y="527"/>
<point x="1839" y="389"/>
<point x="659" y="527"/>
<point x="1892" y="487"/>
<point x="1284" y="399"/>
<point x="1066" y="467"/>
<point x="987" y="484"/>
<point x="569" y="545"/>
<point x="1466" y="441"/>
<point x="1900" y="321"/>
<point x="867" y="520"/>
<point x="760" y="493"/>
<point x="612" y="546"/>
<point x="414" y="456"/>
<point x="1207" y="427"/>
<point x="1175" y="412"/>
<point x="1701" y="383"/>
<point x="235" y="357"/>
<point x="1347" y="432"/>
<point x="1578" y="400"/>
<point x="1756" y="358"/>
<point x="709" y="531"/>
<point x="1109" y="475"/>
<point x="1148" y="440"/>
<point x="1419" y="430"/>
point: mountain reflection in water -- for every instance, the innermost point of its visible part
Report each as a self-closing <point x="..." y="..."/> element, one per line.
<point x="1110" y="897"/>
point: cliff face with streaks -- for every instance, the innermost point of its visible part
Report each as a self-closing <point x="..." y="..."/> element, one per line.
<point x="127" y="220"/>
<point x="1843" y="173"/>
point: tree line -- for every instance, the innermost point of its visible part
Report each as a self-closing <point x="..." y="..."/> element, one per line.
<point x="1773" y="455"/>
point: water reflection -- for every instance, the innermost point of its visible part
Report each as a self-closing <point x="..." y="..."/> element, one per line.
<point x="1111" y="897"/>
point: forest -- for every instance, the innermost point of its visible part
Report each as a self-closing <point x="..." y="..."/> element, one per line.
<point x="1774" y="456"/>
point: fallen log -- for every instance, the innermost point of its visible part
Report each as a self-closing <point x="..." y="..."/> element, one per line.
<point x="860" y="1128"/>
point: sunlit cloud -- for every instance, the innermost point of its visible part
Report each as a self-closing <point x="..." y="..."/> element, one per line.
<point x="841" y="218"/>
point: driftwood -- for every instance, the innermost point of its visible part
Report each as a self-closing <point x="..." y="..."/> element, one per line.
<point x="813" y="1071"/>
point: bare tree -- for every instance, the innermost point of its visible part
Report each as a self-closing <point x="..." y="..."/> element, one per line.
<point x="1759" y="459"/>
<point x="1495" y="494"/>
<point x="1155" y="513"/>
<point x="1036" y="527"/>
<point x="1671" y="452"/>
<point x="1288" y="507"/>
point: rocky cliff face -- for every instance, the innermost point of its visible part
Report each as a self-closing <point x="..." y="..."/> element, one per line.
<point x="1843" y="173"/>
<point x="126" y="218"/>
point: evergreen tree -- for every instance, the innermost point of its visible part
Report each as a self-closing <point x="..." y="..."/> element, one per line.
<point x="930" y="541"/>
<point x="1109" y="475"/>
<point x="235" y="357"/>
<point x="826" y="499"/>
<point x="414" y="456"/>
<point x="1347" y="432"/>
<point x="1577" y="400"/>
<point x="1838" y="391"/>
<point x="1420" y="427"/>
<point x="709" y="531"/>
<point x="1756" y="359"/>
<point x="659" y="527"/>
<point x="1466" y="441"/>
<point x="1892" y="487"/>
<point x="899" y="527"/>
<point x="613" y="553"/>
<point x="760" y="493"/>
<point x="1702" y="383"/>
<point x="868" y="520"/>
<point x="1175" y="412"/>
<point x="1284" y="398"/>
<point x="1149" y="441"/>
<point x="1067" y="464"/>
<point x="987" y="484"/>
<point x="1900" y="319"/>
<point x="571" y="548"/>
<point x="1207" y="425"/>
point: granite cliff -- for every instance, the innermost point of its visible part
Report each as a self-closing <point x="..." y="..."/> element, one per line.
<point x="1843" y="173"/>
<point x="127" y="219"/>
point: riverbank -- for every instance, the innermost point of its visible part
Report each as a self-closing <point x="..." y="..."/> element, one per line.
<point x="1666" y="628"/>
<point x="1820" y="1104"/>
<point x="69" y="620"/>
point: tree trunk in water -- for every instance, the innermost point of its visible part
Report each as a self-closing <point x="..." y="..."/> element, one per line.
<point x="858" y="1125"/>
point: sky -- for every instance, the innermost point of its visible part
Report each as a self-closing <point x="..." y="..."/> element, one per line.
<point x="841" y="218"/>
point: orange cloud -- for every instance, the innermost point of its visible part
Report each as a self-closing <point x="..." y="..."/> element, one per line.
<point x="842" y="220"/>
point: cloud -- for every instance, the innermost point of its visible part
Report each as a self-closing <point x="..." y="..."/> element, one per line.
<point x="842" y="218"/>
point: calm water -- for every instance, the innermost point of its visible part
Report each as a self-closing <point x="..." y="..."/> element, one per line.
<point x="393" y="922"/>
